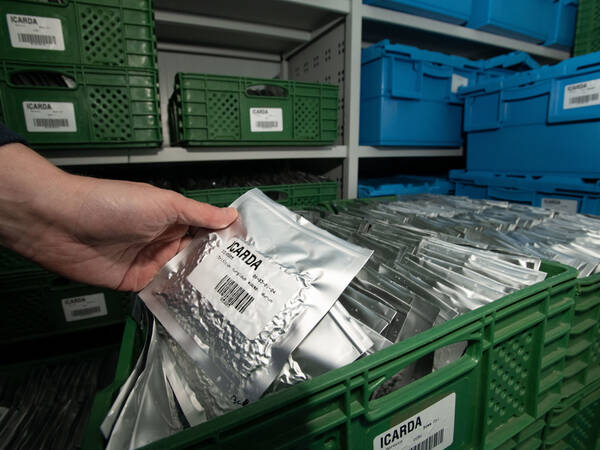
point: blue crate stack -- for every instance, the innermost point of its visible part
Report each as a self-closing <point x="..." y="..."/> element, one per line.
<point x="409" y="96"/>
<point x="530" y="136"/>
<point x="533" y="137"/>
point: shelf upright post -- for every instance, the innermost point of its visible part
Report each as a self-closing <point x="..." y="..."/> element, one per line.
<point x="352" y="97"/>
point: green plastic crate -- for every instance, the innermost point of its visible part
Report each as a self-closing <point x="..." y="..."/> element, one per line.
<point x="508" y="379"/>
<point x="103" y="343"/>
<point x="214" y="110"/>
<point x="582" y="365"/>
<point x="43" y="304"/>
<point x="131" y="346"/>
<point x="107" y="108"/>
<point x="117" y="33"/>
<point x="296" y="196"/>
<point x="587" y="34"/>
<point x="528" y="439"/>
<point x="575" y="424"/>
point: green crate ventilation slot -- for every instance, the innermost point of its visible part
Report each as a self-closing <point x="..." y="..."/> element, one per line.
<point x="28" y="307"/>
<point x="113" y="126"/>
<point x="101" y="33"/>
<point x="223" y="123"/>
<point x="306" y="117"/>
<point x="509" y="383"/>
<point x="585" y="426"/>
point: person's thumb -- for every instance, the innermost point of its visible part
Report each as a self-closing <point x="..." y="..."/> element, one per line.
<point x="198" y="214"/>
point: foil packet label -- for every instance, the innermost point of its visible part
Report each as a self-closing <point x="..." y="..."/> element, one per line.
<point x="244" y="286"/>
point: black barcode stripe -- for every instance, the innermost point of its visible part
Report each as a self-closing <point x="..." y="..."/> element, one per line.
<point x="431" y="442"/>
<point x="266" y="123"/>
<point x="232" y="294"/>
<point x="86" y="311"/>
<point x="584" y="99"/>
<point x="51" y="123"/>
<point x="36" y="39"/>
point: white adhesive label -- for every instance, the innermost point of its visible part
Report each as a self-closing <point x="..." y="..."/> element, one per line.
<point x="49" y="117"/>
<point x="458" y="81"/>
<point x="84" y="307"/>
<point x="243" y="286"/>
<point x="432" y="428"/>
<point x="266" y="119"/>
<point x="41" y="33"/>
<point x="578" y="95"/>
<point x="560" y="204"/>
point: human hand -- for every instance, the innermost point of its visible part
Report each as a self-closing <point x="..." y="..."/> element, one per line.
<point x="111" y="233"/>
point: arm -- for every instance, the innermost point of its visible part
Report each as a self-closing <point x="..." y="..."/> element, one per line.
<point x="110" y="233"/>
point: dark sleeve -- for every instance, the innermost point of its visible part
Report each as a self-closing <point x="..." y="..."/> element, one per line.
<point x="8" y="136"/>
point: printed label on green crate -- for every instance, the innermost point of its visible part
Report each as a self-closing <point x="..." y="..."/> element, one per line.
<point x="49" y="117"/>
<point x="560" y="204"/>
<point x="432" y="428"/>
<point x="84" y="307"/>
<point x="41" y="33"/>
<point x="585" y="93"/>
<point x="243" y="286"/>
<point x="266" y="119"/>
<point x="458" y="81"/>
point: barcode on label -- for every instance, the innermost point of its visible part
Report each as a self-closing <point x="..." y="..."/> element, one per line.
<point x="431" y="442"/>
<point x="583" y="99"/>
<point x="267" y="124"/>
<point x="37" y="39"/>
<point x="86" y="311"/>
<point x="232" y="294"/>
<point x="51" y="123"/>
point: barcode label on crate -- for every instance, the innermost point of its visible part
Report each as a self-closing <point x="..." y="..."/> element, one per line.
<point x="49" y="117"/>
<point x="266" y="119"/>
<point x="430" y="429"/>
<point x="458" y="81"/>
<point x="33" y="32"/>
<point x="560" y="204"/>
<point x="84" y="307"/>
<point x="243" y="285"/>
<point x="585" y="93"/>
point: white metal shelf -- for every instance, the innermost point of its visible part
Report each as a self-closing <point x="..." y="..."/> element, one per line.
<point x="406" y="152"/>
<point x="268" y="26"/>
<point x="409" y="23"/>
<point x="181" y="154"/>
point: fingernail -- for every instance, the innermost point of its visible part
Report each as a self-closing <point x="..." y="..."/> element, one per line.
<point x="232" y="211"/>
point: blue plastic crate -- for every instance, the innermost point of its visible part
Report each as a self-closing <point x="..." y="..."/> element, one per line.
<point x="409" y="96"/>
<point x="455" y="11"/>
<point x="548" y="22"/>
<point x="546" y="120"/>
<point x="571" y="194"/>
<point x="403" y="185"/>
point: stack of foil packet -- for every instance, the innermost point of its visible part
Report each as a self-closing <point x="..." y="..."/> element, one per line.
<point x="274" y="300"/>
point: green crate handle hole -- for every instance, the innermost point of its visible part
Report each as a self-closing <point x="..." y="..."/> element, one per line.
<point x="42" y="79"/>
<point x="266" y="90"/>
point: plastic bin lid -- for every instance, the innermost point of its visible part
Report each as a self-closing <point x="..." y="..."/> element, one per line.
<point x="513" y="60"/>
<point x="578" y="65"/>
<point x="383" y="48"/>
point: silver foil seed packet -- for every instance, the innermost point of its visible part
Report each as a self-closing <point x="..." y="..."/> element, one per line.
<point x="241" y="299"/>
